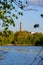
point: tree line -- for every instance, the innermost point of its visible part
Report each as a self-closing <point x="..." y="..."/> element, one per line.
<point x="23" y="38"/>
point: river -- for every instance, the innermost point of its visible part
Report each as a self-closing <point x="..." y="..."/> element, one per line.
<point x="21" y="55"/>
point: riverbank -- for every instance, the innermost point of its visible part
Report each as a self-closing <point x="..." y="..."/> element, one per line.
<point x="19" y="45"/>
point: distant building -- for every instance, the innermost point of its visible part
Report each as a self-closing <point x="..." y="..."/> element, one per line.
<point x="22" y="30"/>
<point x="32" y="32"/>
<point x="20" y="26"/>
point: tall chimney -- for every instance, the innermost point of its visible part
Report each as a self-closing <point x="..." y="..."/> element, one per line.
<point x="20" y="26"/>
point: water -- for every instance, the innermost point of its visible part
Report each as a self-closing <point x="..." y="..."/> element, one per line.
<point x="21" y="55"/>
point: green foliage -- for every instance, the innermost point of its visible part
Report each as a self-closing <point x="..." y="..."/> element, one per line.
<point x="6" y="8"/>
<point x="36" y="25"/>
<point x="38" y="39"/>
<point x="21" y="38"/>
<point x="42" y="15"/>
<point x="6" y="37"/>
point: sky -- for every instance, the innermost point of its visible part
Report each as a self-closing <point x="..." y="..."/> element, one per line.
<point x="30" y="17"/>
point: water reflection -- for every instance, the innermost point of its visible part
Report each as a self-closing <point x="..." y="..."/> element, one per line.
<point x="2" y="52"/>
<point x="21" y="55"/>
<point x="1" y="55"/>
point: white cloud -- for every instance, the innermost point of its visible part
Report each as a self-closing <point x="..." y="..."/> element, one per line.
<point x="36" y="2"/>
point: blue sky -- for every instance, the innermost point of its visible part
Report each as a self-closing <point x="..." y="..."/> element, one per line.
<point x="30" y="17"/>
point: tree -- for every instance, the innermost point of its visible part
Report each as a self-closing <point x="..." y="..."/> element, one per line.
<point x="6" y="8"/>
<point x="37" y="25"/>
<point x="38" y="39"/>
<point x="41" y="15"/>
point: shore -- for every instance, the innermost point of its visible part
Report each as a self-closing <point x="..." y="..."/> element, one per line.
<point x="18" y="45"/>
